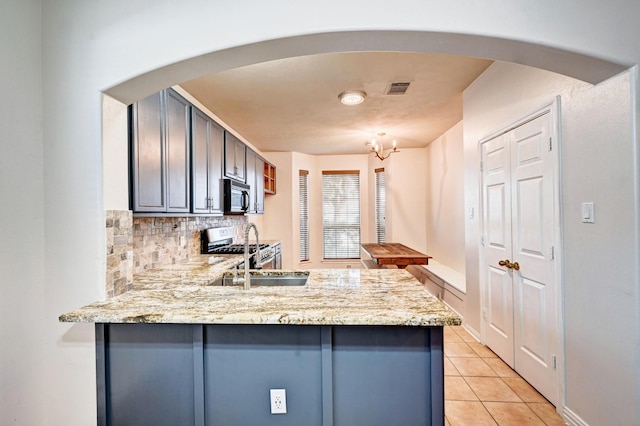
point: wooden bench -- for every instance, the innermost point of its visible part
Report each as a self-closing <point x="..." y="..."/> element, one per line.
<point x="394" y="254"/>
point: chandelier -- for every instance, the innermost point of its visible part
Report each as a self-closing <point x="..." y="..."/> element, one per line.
<point x="378" y="149"/>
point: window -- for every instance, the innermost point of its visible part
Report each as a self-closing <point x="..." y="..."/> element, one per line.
<point x="303" y="188"/>
<point x="381" y="206"/>
<point x="341" y="214"/>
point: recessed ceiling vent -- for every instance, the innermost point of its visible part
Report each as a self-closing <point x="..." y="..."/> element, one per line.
<point x="398" y="88"/>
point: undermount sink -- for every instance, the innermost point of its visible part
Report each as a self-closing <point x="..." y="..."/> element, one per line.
<point x="260" y="278"/>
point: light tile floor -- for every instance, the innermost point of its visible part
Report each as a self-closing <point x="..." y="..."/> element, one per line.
<point x="480" y="389"/>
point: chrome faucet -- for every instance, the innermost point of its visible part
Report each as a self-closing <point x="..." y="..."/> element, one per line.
<point x="247" y="276"/>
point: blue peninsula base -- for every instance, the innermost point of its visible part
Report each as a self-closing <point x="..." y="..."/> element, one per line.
<point x="188" y="374"/>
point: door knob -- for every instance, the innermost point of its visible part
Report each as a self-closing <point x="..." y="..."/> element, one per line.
<point x="507" y="263"/>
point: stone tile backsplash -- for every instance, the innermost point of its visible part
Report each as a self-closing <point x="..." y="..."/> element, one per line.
<point x="119" y="252"/>
<point x="135" y="244"/>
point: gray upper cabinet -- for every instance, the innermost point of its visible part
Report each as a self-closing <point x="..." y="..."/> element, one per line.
<point x="179" y="156"/>
<point x="178" y="153"/>
<point x="206" y="167"/>
<point x="234" y="157"/>
<point x="160" y="154"/>
<point x="147" y="155"/>
<point x="255" y="178"/>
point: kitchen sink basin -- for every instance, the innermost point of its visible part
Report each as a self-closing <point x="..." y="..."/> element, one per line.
<point x="261" y="279"/>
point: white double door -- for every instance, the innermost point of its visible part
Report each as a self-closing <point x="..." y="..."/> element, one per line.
<point x="520" y="213"/>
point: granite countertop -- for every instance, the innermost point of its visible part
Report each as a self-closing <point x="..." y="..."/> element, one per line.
<point x="183" y="293"/>
<point x="199" y="271"/>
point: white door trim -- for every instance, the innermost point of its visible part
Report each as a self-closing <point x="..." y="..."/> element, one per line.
<point x="552" y="108"/>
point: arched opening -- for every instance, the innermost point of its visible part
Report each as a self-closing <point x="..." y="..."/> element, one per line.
<point x="582" y="67"/>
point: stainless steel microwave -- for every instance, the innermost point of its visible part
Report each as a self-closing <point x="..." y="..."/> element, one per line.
<point x="236" y="197"/>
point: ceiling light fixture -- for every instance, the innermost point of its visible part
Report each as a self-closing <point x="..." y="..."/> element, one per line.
<point x="378" y="149"/>
<point x="352" y="97"/>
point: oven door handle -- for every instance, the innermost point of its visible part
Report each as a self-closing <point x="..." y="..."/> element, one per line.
<point x="267" y="261"/>
<point x="245" y="205"/>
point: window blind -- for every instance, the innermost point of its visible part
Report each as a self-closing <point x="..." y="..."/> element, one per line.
<point x="303" y="188"/>
<point x="381" y="206"/>
<point x="341" y="214"/>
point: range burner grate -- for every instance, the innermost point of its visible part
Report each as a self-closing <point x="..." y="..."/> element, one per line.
<point x="236" y="249"/>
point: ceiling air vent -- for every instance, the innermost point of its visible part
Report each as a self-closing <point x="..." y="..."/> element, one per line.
<point x="397" y="88"/>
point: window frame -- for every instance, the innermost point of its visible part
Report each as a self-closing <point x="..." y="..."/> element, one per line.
<point x="339" y="226"/>
<point x="303" y="211"/>
<point x="380" y="205"/>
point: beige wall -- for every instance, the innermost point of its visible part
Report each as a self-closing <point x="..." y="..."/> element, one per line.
<point x="445" y="199"/>
<point x="406" y="177"/>
<point x="23" y="284"/>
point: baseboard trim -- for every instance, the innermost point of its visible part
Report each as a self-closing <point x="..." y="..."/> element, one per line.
<point x="472" y="332"/>
<point x="572" y="418"/>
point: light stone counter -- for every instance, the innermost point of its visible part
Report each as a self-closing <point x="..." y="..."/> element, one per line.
<point x="199" y="271"/>
<point x="182" y="294"/>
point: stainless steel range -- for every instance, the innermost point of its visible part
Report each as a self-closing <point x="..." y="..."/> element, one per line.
<point x="220" y="241"/>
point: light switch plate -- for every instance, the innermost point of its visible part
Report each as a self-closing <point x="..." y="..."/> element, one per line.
<point x="588" y="213"/>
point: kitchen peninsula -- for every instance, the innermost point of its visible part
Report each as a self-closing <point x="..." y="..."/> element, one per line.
<point x="350" y="347"/>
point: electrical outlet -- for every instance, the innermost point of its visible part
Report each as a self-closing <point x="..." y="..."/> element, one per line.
<point x="278" y="401"/>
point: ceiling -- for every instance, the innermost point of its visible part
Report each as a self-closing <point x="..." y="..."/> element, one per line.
<point x="292" y="104"/>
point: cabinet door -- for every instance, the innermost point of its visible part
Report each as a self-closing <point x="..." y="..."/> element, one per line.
<point x="255" y="178"/>
<point x="259" y="185"/>
<point x="251" y="179"/>
<point x="240" y="156"/>
<point x="147" y="155"/>
<point x="201" y="128"/>
<point x="178" y="149"/>
<point x="229" y="155"/>
<point x="216" y="152"/>
<point x="234" y="157"/>
<point x="269" y="178"/>
<point x="206" y="167"/>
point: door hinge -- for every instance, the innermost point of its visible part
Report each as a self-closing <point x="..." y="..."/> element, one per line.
<point x="553" y="253"/>
<point x="555" y="362"/>
<point x="550" y="144"/>
<point x="481" y="167"/>
<point x="482" y="240"/>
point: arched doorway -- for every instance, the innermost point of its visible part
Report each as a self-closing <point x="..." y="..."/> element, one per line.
<point x="579" y="66"/>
